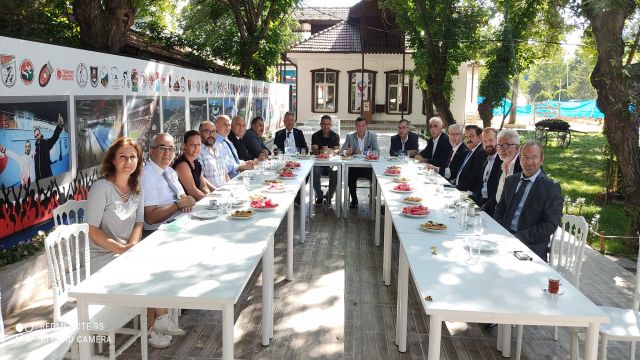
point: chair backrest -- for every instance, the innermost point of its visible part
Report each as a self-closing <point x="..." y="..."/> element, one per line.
<point x="567" y="247"/>
<point x="68" y="258"/>
<point x="71" y="212"/>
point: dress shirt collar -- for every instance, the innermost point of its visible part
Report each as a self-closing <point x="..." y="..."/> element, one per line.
<point x="532" y="178"/>
<point x="156" y="168"/>
<point x="455" y="148"/>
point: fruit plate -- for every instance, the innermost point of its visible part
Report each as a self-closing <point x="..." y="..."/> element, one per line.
<point x="415" y="216"/>
<point x="402" y="191"/>
<point x="264" y="208"/>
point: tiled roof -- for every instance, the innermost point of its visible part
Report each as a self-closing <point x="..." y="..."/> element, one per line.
<point x="321" y="13"/>
<point x="343" y="37"/>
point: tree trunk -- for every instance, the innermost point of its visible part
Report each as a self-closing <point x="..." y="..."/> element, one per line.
<point x="485" y="110"/>
<point x="428" y="107"/>
<point x="442" y="105"/>
<point x="514" y="99"/>
<point x="104" y="27"/>
<point x="607" y="77"/>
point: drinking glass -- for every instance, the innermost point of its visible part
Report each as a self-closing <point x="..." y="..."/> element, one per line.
<point x="478" y="226"/>
<point x="303" y="151"/>
<point x="462" y="217"/>
<point x="474" y="251"/>
<point x="246" y="180"/>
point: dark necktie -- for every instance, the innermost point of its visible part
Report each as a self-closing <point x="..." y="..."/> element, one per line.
<point x="516" y="201"/>
<point x="232" y="152"/>
<point x="172" y="186"/>
<point x="449" y="158"/>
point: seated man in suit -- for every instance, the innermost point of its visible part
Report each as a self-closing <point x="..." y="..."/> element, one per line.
<point x="491" y="170"/>
<point x="438" y="147"/>
<point x="509" y="152"/>
<point x="325" y="140"/>
<point x="253" y="140"/>
<point x="456" y="156"/>
<point x="238" y="130"/>
<point x="469" y="176"/>
<point x="359" y="142"/>
<point x="404" y="141"/>
<point x="226" y="150"/>
<point x="531" y="203"/>
<point x="289" y="137"/>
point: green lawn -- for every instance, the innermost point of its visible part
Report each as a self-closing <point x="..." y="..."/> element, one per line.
<point x="579" y="170"/>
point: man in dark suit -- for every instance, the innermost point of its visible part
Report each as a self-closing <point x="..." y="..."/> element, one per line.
<point x="491" y="171"/>
<point x="289" y="136"/>
<point x="238" y="129"/>
<point x="404" y="141"/>
<point x="531" y="203"/>
<point x="470" y="174"/>
<point x="456" y="156"/>
<point x="509" y="151"/>
<point x="43" y="147"/>
<point x="253" y="140"/>
<point x="438" y="147"/>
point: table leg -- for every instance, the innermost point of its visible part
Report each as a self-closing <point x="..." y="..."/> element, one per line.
<point x="227" y="332"/>
<point x="386" y="252"/>
<point x="303" y="208"/>
<point x="267" y="294"/>
<point x="83" y="331"/>
<point x="506" y="340"/>
<point x="339" y="191"/>
<point x="591" y="344"/>
<point x="143" y="338"/>
<point x="377" y="220"/>
<point x="402" y="303"/>
<point x="435" y="332"/>
<point x="290" y="242"/>
<point x="311" y="209"/>
<point x="374" y="191"/>
<point x="499" y="337"/>
<point x="345" y="193"/>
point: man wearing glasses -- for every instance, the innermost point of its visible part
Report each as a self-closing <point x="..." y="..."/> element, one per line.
<point x="456" y="156"/>
<point x="438" y="147"/>
<point x="213" y="166"/>
<point x="404" y="141"/>
<point x="164" y="197"/>
<point x="509" y="152"/>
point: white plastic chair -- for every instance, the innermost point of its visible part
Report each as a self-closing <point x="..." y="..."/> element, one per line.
<point x="567" y="252"/>
<point x="36" y="344"/>
<point x="71" y="212"/>
<point x="67" y="250"/>
<point x="623" y="324"/>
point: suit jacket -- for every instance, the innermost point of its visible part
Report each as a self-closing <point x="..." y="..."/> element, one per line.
<point x="440" y="157"/>
<point x="470" y="178"/>
<point x="517" y="168"/>
<point x="410" y="144"/>
<point x="370" y="142"/>
<point x="254" y="144"/>
<point x="456" y="162"/>
<point x="541" y="212"/>
<point x="242" y="151"/>
<point x="488" y="204"/>
<point x="298" y="136"/>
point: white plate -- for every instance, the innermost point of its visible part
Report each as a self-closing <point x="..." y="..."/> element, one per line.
<point x="371" y="160"/>
<point x="288" y="177"/>
<point x="414" y="216"/>
<point x="411" y="202"/>
<point x="243" y="217"/>
<point x="402" y="191"/>
<point x="275" y="190"/>
<point x="431" y="230"/>
<point x="485" y="245"/>
<point x="392" y="158"/>
<point x="263" y="209"/>
<point x="401" y="180"/>
<point x="389" y="174"/>
<point x="206" y="214"/>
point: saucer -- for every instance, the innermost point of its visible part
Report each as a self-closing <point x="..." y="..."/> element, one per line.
<point x="546" y="292"/>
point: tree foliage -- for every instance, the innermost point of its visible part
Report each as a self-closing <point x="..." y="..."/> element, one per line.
<point x="45" y="20"/>
<point x="247" y="34"/>
<point x="442" y="34"/>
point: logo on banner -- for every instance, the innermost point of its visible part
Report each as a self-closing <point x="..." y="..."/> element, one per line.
<point x="143" y="81"/>
<point x="26" y="71"/>
<point x="198" y="85"/>
<point x="134" y="80"/>
<point x="189" y="85"/>
<point x="8" y="70"/>
<point x="104" y="76"/>
<point x="65" y="74"/>
<point x="45" y="74"/>
<point x="115" y="84"/>
<point x="182" y="84"/>
<point x="126" y="83"/>
<point x="206" y="87"/>
<point x="94" y="75"/>
<point x="176" y="85"/>
<point x="82" y="75"/>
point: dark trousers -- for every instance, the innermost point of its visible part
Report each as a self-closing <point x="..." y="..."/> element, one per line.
<point x="354" y="174"/>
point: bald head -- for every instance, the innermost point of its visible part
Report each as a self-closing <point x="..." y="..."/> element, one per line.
<point x="223" y="125"/>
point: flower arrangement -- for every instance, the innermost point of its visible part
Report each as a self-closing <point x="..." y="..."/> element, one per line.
<point x="22" y="250"/>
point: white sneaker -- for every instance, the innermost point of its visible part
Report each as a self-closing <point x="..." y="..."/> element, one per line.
<point x="165" y="325"/>
<point x="157" y="340"/>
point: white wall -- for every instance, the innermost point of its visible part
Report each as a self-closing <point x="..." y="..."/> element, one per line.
<point x="375" y="62"/>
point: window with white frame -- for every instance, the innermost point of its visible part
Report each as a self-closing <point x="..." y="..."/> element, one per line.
<point x="360" y="90"/>
<point x="324" y="90"/>
<point x="398" y="93"/>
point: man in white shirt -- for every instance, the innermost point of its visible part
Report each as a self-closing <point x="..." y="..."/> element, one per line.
<point x="213" y="167"/>
<point x="438" y="147"/>
<point x="456" y="156"/>
<point x="25" y="161"/>
<point x="164" y="197"/>
<point x="226" y="150"/>
<point x="509" y="152"/>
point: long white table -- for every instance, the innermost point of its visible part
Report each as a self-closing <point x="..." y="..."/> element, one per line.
<point x="199" y="264"/>
<point x="497" y="289"/>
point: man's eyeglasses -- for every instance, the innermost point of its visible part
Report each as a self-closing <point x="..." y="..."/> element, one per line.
<point x="505" y="146"/>
<point x="402" y="127"/>
<point x="207" y="131"/>
<point x="164" y="148"/>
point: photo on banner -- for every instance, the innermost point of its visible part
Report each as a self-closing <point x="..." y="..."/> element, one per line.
<point x="143" y="120"/>
<point x="98" y="124"/>
<point x="34" y="140"/>
<point x="230" y="108"/>
<point x="174" y="120"/>
<point x="243" y="108"/>
<point x="197" y="113"/>
<point x="216" y="108"/>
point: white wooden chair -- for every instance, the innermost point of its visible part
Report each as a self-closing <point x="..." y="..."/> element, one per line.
<point x="624" y="324"/>
<point x="67" y="250"/>
<point x="566" y="257"/>
<point x="35" y="344"/>
<point x="71" y="212"/>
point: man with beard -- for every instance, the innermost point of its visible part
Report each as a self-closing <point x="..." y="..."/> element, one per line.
<point x="491" y="170"/>
<point x="213" y="167"/>
<point x="470" y="174"/>
<point x="253" y="139"/>
<point x="43" y="147"/>
<point x="25" y="161"/>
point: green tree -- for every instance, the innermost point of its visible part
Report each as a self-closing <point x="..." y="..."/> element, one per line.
<point x="579" y="84"/>
<point x="247" y="34"/>
<point x="442" y="34"/>
<point x="48" y="20"/>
